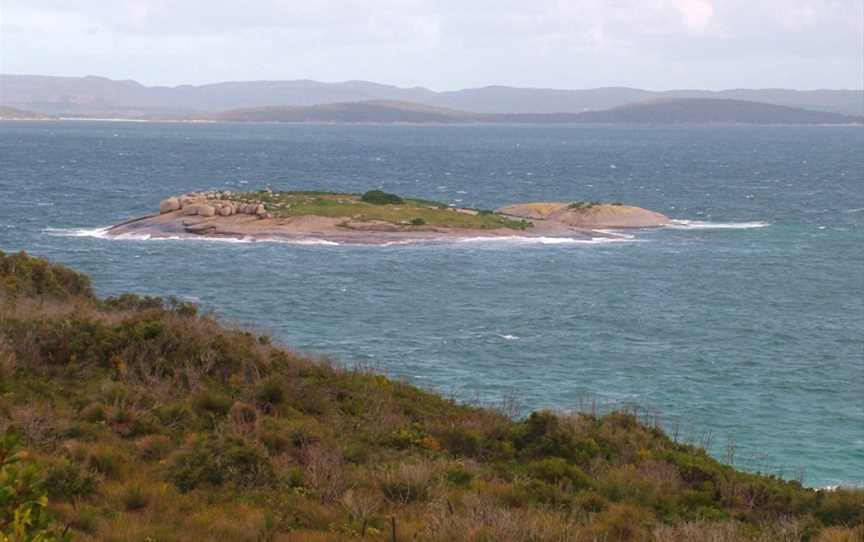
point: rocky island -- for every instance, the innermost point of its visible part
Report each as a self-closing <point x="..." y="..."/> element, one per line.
<point x="374" y="217"/>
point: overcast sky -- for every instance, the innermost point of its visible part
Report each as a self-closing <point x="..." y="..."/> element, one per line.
<point x="444" y="44"/>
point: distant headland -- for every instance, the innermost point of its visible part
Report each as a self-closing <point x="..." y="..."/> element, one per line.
<point x="374" y="217"/>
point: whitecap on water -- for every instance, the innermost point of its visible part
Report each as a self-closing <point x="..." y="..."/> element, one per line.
<point x="102" y="233"/>
<point x="543" y="240"/>
<point x="98" y="233"/>
<point x="700" y="225"/>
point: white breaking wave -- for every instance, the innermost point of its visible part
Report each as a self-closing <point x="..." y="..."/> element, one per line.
<point x="699" y="225"/>
<point x="101" y="233"/>
<point x="617" y="234"/>
<point x="508" y="337"/>
<point x="543" y="240"/>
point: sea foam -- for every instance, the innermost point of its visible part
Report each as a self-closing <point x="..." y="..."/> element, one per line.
<point x="517" y="239"/>
<point x="700" y="225"/>
<point x="102" y="233"/>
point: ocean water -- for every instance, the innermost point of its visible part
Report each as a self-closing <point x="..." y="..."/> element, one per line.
<point x="743" y="327"/>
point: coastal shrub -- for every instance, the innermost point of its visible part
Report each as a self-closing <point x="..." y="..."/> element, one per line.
<point x="417" y="222"/>
<point x="582" y="205"/>
<point x="131" y="302"/>
<point x="153" y="447"/>
<point x="463" y="441"/>
<point x="624" y="523"/>
<point x="841" y="507"/>
<point x="212" y="403"/>
<point x="325" y="472"/>
<point x="407" y="483"/>
<point x="590" y="502"/>
<point x="106" y="459"/>
<point x="174" y="415"/>
<point x="269" y="394"/>
<point x="66" y="480"/>
<point x="134" y="498"/>
<point x="213" y="461"/>
<point x="243" y="417"/>
<point x="184" y="309"/>
<point x="537" y="493"/>
<point x="543" y="435"/>
<point x="274" y="436"/>
<point x="459" y="476"/>
<point x="379" y="197"/>
<point x="406" y="437"/>
<point x="555" y="470"/>
<point x="840" y="534"/>
<point x="23" y="501"/>
<point x="94" y="412"/>
<point x="24" y="275"/>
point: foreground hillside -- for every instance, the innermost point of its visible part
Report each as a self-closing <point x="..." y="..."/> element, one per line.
<point x="144" y="420"/>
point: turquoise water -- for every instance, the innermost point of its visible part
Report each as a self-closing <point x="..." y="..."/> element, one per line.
<point x="745" y="326"/>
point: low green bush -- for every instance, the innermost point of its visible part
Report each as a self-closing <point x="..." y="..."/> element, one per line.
<point x="270" y="393"/>
<point x="459" y="476"/>
<point x="624" y="523"/>
<point x="841" y="507"/>
<point x="463" y="441"/>
<point x="66" y="480"/>
<point x="213" y="461"/>
<point x="24" y="275"/>
<point x="379" y="197"/>
<point x="555" y="470"/>
<point x="213" y="403"/>
<point x="134" y="499"/>
<point x="407" y="483"/>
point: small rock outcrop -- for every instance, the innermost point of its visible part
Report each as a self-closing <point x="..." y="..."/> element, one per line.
<point x="587" y="215"/>
<point x="206" y="210"/>
<point x="169" y="204"/>
<point x="538" y="210"/>
<point x="200" y="207"/>
<point x="211" y="204"/>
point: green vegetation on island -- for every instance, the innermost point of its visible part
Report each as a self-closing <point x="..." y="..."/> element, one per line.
<point x="376" y="205"/>
<point x="143" y="419"/>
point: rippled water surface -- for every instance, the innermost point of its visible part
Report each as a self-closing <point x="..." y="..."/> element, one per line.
<point x="744" y="324"/>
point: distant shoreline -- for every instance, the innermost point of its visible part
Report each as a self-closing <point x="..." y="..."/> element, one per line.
<point x="680" y="111"/>
<point x="427" y="124"/>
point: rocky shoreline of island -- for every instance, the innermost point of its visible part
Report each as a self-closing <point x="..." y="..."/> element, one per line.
<point x="375" y="217"/>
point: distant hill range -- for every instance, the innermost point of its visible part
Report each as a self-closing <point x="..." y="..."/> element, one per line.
<point x="665" y="111"/>
<point x="98" y="96"/>
<point x="373" y="111"/>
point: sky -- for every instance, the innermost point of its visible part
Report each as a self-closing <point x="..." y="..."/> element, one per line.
<point x="444" y="44"/>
